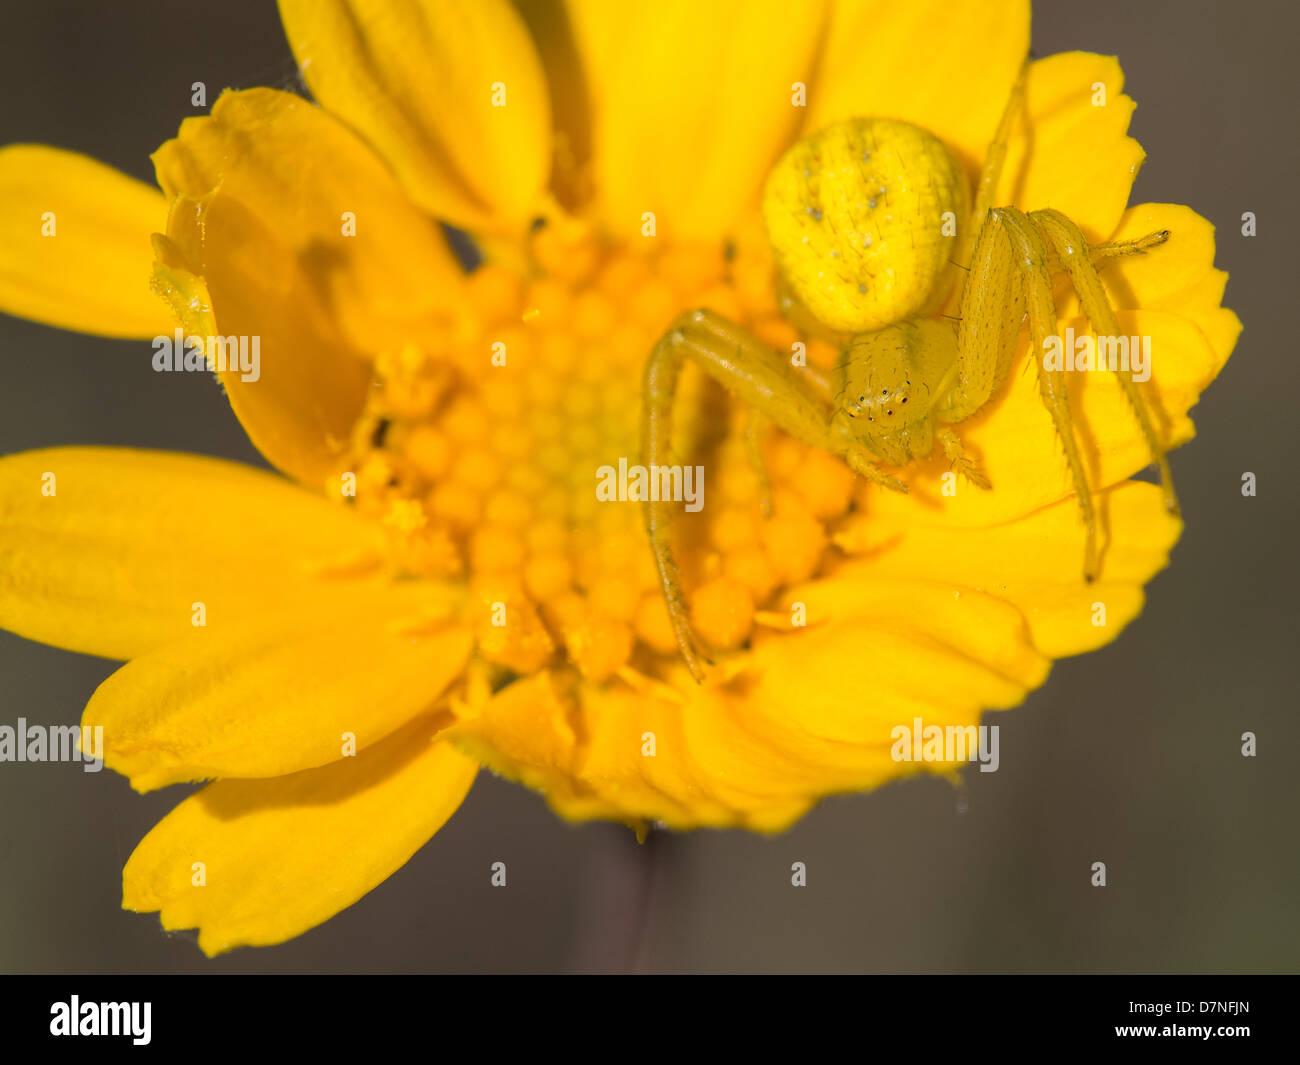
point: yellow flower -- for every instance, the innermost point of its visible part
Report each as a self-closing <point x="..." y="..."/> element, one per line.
<point x="441" y="589"/>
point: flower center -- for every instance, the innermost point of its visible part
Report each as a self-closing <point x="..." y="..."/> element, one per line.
<point x="484" y="460"/>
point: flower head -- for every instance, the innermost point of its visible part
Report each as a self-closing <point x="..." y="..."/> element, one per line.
<point x="436" y="583"/>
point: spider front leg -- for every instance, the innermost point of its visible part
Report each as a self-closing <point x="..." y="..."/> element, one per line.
<point x="995" y="158"/>
<point x="757" y="376"/>
<point x="957" y="458"/>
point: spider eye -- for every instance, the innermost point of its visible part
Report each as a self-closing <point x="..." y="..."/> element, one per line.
<point x="890" y="413"/>
<point x="904" y="399"/>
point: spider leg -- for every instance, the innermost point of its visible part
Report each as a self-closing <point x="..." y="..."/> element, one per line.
<point x="988" y="330"/>
<point x="956" y="455"/>
<point x="862" y="462"/>
<point x="757" y="376"/>
<point x="1072" y="250"/>
<point x="994" y="159"/>
<point x="1099" y="253"/>
<point x="1030" y="259"/>
<point x="817" y="379"/>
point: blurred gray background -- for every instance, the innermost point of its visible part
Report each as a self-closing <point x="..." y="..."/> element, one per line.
<point x="1130" y="755"/>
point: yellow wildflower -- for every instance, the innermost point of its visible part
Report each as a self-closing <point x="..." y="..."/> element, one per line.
<point x="435" y="585"/>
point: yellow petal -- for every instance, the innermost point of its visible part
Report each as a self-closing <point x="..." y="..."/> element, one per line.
<point x="759" y="750"/>
<point x="523" y="731"/>
<point x="1034" y="563"/>
<point x="114" y="559"/>
<point x="304" y="395"/>
<point x="632" y="762"/>
<point x="617" y="726"/>
<point x="883" y="653"/>
<point x="266" y="188"/>
<point x="552" y="30"/>
<point x="281" y="856"/>
<point x="764" y="786"/>
<point x="763" y="747"/>
<point x="912" y="62"/>
<point x="91" y="272"/>
<point x="312" y="192"/>
<point x="691" y="105"/>
<point x="1178" y="276"/>
<point x="417" y="79"/>
<point x="1070" y="150"/>
<point x="275" y="694"/>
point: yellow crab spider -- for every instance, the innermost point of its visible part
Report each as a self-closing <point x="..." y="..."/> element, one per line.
<point x="854" y="215"/>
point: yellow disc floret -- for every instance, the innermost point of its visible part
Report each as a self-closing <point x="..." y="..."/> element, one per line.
<point x="480" y="456"/>
<point x="862" y="218"/>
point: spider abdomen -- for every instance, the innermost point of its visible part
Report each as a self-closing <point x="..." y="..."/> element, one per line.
<point x="861" y="217"/>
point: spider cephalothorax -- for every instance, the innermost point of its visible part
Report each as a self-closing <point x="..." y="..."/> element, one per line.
<point x="870" y="225"/>
<point x="888" y="384"/>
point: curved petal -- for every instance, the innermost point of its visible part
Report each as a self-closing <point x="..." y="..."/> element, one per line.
<point x="759" y="750"/>
<point x="1070" y="150"/>
<point x="1178" y="276"/>
<point x="599" y="752"/>
<point x="113" y="560"/>
<point x="877" y="669"/>
<point x="306" y="388"/>
<point x="524" y="731"/>
<point x="934" y="623"/>
<point x="267" y="190"/>
<point x="949" y="71"/>
<point x="74" y="244"/>
<point x="1034" y="563"/>
<point x="276" y="694"/>
<point x="281" y="856"/>
<point x="691" y="104"/>
<point x="551" y="27"/>
<point x="418" y="79"/>
<point x="612" y="761"/>
<point x="316" y="194"/>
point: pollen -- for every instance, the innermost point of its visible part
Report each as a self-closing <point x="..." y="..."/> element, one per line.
<point x="723" y="608"/>
<point x="480" y="455"/>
